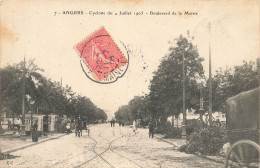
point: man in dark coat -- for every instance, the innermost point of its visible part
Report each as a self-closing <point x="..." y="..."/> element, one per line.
<point x="78" y="129"/>
<point x="34" y="132"/>
<point x="151" y="128"/>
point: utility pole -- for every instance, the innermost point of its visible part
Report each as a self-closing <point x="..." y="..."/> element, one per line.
<point x="210" y="83"/>
<point x="183" y="134"/>
<point x="201" y="110"/>
<point x="23" y="95"/>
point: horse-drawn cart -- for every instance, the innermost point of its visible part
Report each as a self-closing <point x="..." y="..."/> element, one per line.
<point x="243" y="129"/>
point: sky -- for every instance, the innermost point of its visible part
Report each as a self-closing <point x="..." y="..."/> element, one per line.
<point x="30" y="29"/>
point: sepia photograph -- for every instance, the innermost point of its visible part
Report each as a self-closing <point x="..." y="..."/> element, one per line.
<point x="129" y="84"/>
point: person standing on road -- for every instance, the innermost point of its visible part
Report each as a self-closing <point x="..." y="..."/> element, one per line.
<point x="114" y="123"/>
<point x="68" y="128"/>
<point x="9" y="125"/>
<point x="134" y="127"/>
<point x="78" y="129"/>
<point x="151" y="129"/>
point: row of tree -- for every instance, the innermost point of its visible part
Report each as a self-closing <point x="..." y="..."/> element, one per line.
<point x="42" y="95"/>
<point x="166" y="95"/>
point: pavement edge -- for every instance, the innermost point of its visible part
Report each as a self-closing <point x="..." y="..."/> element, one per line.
<point x="31" y="144"/>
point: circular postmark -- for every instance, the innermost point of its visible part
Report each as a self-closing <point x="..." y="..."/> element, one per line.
<point x="102" y="61"/>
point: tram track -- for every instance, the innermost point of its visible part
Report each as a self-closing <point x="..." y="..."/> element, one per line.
<point x="112" y="150"/>
<point x="109" y="148"/>
<point x="94" y="151"/>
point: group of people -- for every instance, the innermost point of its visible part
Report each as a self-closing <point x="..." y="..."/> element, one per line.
<point x="79" y="125"/>
<point x="78" y="128"/>
<point x="16" y="124"/>
<point x="121" y="123"/>
<point x="112" y="122"/>
<point x="151" y="127"/>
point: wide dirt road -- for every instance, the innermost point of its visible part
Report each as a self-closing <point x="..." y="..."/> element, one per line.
<point x="106" y="147"/>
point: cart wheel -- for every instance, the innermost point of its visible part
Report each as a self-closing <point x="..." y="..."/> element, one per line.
<point x="241" y="154"/>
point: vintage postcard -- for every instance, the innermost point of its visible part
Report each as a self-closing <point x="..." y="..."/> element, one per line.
<point x="129" y="84"/>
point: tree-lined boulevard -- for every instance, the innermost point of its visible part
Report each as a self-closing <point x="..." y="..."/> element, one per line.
<point x="179" y="85"/>
<point x="105" y="147"/>
<point x="25" y="89"/>
<point x="166" y="87"/>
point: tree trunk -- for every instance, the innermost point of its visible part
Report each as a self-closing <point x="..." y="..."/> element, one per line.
<point x="177" y="122"/>
<point x="13" y="120"/>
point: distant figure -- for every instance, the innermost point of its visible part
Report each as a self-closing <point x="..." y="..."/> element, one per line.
<point x="18" y="124"/>
<point x="35" y="126"/>
<point x="34" y="132"/>
<point x="134" y="126"/>
<point x="45" y="128"/>
<point x="87" y="129"/>
<point x="111" y="122"/>
<point x="151" y="129"/>
<point x="68" y="128"/>
<point x="114" y="123"/>
<point x="81" y="127"/>
<point x="78" y="129"/>
<point x="9" y="124"/>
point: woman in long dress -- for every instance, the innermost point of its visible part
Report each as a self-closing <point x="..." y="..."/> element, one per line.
<point x="134" y="126"/>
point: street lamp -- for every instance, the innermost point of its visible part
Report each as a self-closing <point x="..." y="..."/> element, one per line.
<point x="210" y="83"/>
<point x="183" y="133"/>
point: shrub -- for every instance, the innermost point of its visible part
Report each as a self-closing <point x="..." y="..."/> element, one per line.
<point x="208" y="141"/>
<point x="159" y="130"/>
<point x="168" y="131"/>
<point x="192" y="126"/>
<point x="173" y="132"/>
<point x="162" y="128"/>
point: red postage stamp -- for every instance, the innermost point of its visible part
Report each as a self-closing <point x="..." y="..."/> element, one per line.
<point x="104" y="62"/>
